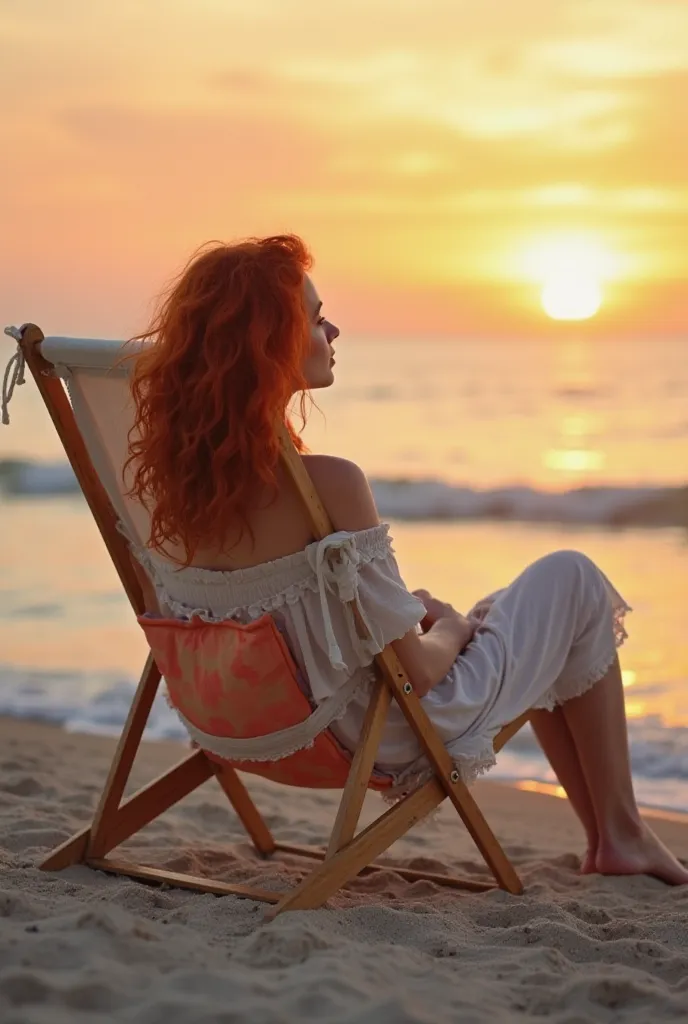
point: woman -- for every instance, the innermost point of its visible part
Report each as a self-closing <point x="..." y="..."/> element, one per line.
<point x="238" y="336"/>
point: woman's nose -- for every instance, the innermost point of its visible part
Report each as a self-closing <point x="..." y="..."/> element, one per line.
<point x="332" y="331"/>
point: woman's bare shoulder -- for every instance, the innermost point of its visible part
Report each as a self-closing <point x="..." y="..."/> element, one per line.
<point x="344" y="491"/>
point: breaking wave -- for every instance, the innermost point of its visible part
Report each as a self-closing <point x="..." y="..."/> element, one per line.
<point x="437" y="499"/>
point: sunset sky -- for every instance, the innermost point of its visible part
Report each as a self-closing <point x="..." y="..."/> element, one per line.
<point x="440" y="158"/>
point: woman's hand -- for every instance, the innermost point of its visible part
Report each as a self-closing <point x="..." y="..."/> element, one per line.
<point x="441" y="611"/>
<point x="427" y="658"/>
<point x="434" y="609"/>
<point x="481" y="610"/>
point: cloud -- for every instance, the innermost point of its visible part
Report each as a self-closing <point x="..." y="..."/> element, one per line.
<point x="410" y="148"/>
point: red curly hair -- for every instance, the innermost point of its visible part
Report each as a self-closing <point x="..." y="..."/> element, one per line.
<point x="224" y="358"/>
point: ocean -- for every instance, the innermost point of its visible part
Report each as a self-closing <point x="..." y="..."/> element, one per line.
<point x="483" y="455"/>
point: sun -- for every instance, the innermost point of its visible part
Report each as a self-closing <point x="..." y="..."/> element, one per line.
<point x="571" y="295"/>
<point x="571" y="270"/>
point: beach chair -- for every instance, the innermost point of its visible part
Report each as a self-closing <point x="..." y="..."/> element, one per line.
<point x="85" y="389"/>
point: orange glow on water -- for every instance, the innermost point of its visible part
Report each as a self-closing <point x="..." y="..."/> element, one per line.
<point x="546" y="788"/>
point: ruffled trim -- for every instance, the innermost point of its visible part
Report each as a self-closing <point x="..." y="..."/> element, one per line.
<point x="565" y="691"/>
<point x="619" y="612"/>
<point x="470" y="768"/>
<point x="576" y="688"/>
<point x="253" y="611"/>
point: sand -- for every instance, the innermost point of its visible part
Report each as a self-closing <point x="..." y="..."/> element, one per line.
<point x="83" y="946"/>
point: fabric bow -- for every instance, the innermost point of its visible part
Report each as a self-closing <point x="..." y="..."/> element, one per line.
<point x="335" y="560"/>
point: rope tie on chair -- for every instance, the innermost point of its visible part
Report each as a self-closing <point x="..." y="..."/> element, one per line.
<point x="14" y="373"/>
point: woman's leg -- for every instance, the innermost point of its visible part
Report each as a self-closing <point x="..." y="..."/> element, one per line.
<point x="626" y="845"/>
<point x="543" y="636"/>
<point x="536" y="635"/>
<point x="555" y="738"/>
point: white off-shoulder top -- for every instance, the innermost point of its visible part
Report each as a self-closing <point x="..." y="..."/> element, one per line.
<point x="308" y="594"/>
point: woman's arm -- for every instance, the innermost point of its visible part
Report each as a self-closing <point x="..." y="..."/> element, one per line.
<point x="348" y="499"/>
<point x="427" y="657"/>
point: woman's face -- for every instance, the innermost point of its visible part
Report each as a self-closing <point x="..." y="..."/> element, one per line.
<point x="319" y="362"/>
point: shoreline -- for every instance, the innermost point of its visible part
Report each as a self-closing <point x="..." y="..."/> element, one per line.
<point x="552" y="789"/>
<point x="525" y="784"/>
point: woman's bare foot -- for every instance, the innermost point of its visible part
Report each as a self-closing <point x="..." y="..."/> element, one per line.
<point x="641" y="854"/>
<point x="589" y="861"/>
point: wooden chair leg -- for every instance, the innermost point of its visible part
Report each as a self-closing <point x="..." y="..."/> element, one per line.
<point x="138" y="810"/>
<point x="72" y="851"/>
<point x="149" y="802"/>
<point x="484" y="838"/>
<point x="344" y="828"/>
<point x="355" y="855"/>
<point x="123" y="760"/>
<point x="250" y="816"/>
<point x="455" y="788"/>
<point x="344" y="865"/>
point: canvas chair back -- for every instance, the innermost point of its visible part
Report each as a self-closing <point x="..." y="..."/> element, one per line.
<point x="95" y="373"/>
<point x="228" y="680"/>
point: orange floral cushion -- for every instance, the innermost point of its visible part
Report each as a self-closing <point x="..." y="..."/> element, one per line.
<point x="240" y="681"/>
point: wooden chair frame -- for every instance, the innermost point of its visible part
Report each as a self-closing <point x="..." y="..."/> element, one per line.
<point x="348" y="854"/>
